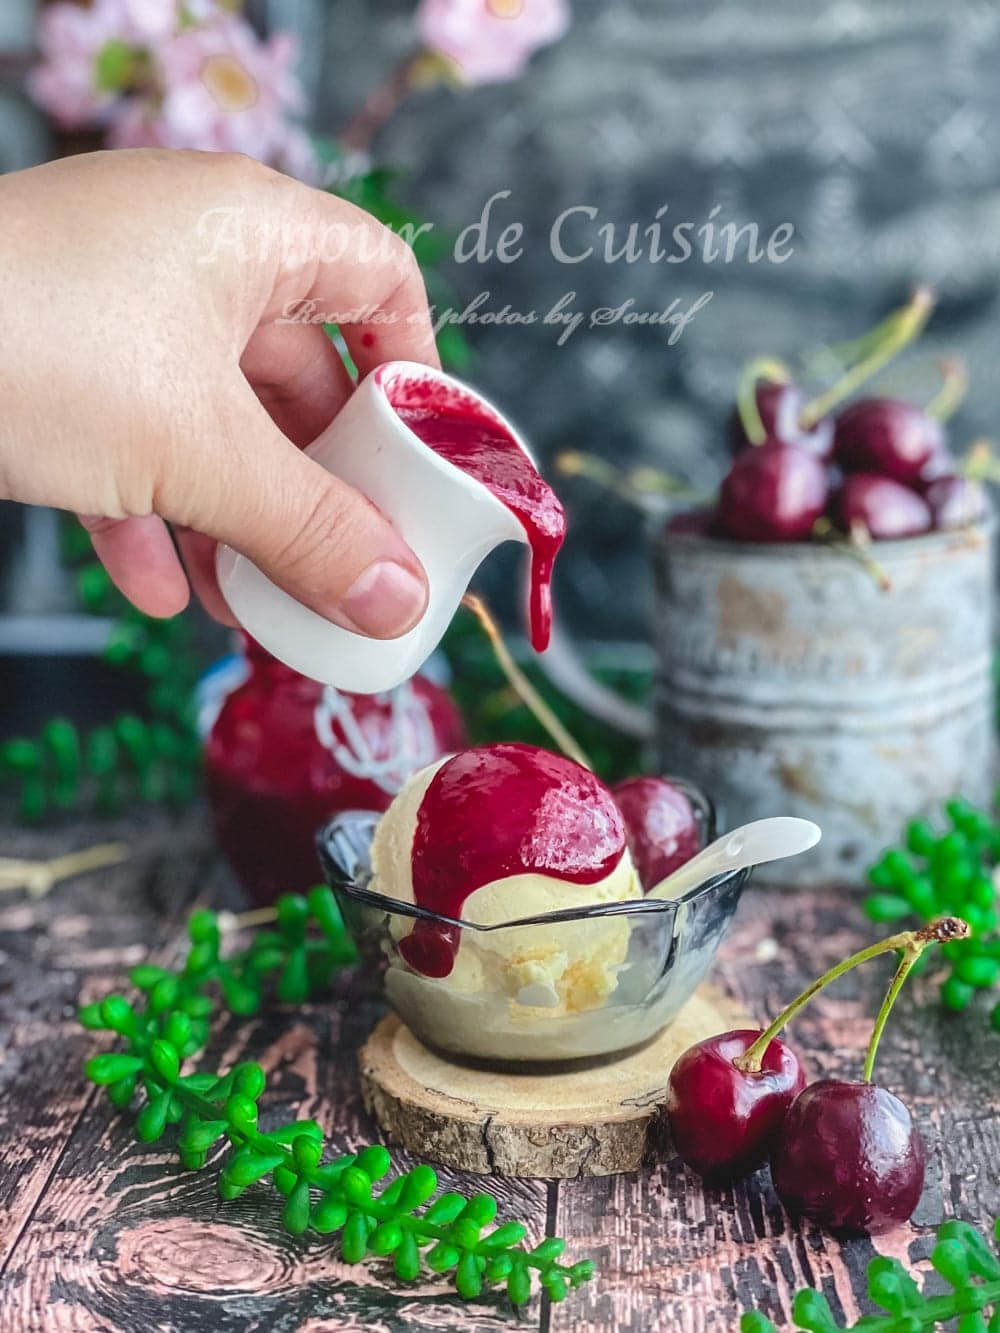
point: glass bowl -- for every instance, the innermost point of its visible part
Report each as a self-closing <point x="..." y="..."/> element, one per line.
<point x="572" y="984"/>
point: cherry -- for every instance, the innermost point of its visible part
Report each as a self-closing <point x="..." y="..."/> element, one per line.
<point x="723" y="1119"/>
<point x="849" y="1157"/>
<point x="888" y="436"/>
<point x="731" y="1098"/>
<point x="772" y="493"/>
<point x="954" y="502"/>
<point x="883" y="508"/>
<point x="661" y="826"/>
<point x="780" y="407"/>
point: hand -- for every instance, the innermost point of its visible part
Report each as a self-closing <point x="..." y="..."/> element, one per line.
<point x="147" y="377"/>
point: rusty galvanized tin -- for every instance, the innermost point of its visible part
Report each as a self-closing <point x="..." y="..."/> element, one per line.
<point x="790" y="683"/>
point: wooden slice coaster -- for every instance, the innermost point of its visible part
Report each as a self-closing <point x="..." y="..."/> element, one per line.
<point x="596" y="1120"/>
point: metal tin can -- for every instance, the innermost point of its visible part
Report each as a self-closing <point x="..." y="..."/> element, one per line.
<point x="790" y="682"/>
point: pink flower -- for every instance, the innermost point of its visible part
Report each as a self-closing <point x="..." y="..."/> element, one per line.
<point x="65" y="83"/>
<point x="225" y="89"/>
<point x="491" y="41"/>
<point x="68" y="82"/>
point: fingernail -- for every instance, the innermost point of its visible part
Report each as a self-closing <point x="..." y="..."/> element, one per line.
<point x="384" y="601"/>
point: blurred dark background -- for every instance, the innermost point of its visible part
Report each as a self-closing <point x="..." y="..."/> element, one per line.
<point x="868" y="127"/>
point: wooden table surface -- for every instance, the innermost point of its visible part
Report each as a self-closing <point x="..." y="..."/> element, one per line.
<point x="100" y="1233"/>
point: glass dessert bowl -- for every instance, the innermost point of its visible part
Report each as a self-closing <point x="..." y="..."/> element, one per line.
<point x="564" y="984"/>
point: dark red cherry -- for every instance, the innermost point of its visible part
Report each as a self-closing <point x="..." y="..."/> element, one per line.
<point x="888" y="436"/>
<point x="882" y="507"/>
<point x="772" y="493"/>
<point x="723" y="1121"/>
<point x="955" y="502"/>
<point x="662" y="828"/>
<point x="780" y="407"/>
<point x="849" y="1158"/>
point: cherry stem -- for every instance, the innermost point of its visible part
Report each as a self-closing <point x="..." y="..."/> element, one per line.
<point x="635" y="486"/>
<point x="420" y="69"/>
<point x="910" y="941"/>
<point x="980" y="463"/>
<point x="762" y="368"/>
<point x="854" y="547"/>
<point x="954" y="385"/>
<point x="886" y="341"/>
<point x="521" y="685"/>
<point x="230" y="922"/>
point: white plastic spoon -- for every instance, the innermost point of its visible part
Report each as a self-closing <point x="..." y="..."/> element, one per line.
<point x="751" y="845"/>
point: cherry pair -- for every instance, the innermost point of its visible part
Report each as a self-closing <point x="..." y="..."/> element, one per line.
<point x="846" y="1155"/>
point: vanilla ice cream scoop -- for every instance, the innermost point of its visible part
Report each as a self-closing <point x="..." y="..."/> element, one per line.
<point x="493" y="836"/>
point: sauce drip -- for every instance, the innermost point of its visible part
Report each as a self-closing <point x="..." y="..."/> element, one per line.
<point x="504" y="810"/>
<point x="458" y="431"/>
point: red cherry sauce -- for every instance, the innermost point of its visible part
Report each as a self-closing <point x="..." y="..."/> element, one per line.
<point x="504" y="810"/>
<point x="458" y="429"/>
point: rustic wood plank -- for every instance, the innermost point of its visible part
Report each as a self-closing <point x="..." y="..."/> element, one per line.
<point x="76" y="942"/>
<point x="675" y="1256"/>
<point x="121" y="1238"/>
<point x="102" y="1234"/>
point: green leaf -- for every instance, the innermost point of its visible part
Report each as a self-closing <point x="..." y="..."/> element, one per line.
<point x="407" y="1263"/>
<point x="421" y="1183"/>
<point x="165" y="1060"/>
<point x="246" y="1167"/>
<point x="325" y="912"/>
<point x="354" y="1239"/>
<point x="812" y="1311"/>
<point x="555" y="1286"/>
<point x="498" y="1269"/>
<point x="146" y="975"/>
<point x="549" y="1250"/>
<point x="249" y="1080"/>
<point x="329" y="1215"/>
<point x="754" y="1322"/>
<point x="295" y="1217"/>
<point x="956" y="995"/>
<point x="122" y="1092"/>
<point x="152" y="1119"/>
<point x="886" y="907"/>
<point x="468" y="1280"/>
<point x="519" y="1285"/>
<point x="374" y="1161"/>
<point x="481" y="1209"/>
<point x="241" y="1113"/>
<point x="386" y="1238"/>
<point x="200" y="1135"/>
<point x="443" y="1256"/>
<point x="293" y="988"/>
<point x="91" y="1016"/>
<point x="105" y="1069"/>
<point x="243" y="1000"/>
<point x="118" y="1014"/>
<point x="442" y="1211"/>
<point x="504" y="1238"/>
<point x="357" y="1187"/>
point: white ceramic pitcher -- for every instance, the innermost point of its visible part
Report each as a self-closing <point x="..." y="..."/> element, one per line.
<point x="450" y="520"/>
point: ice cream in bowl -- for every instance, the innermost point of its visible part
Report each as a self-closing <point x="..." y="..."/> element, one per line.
<point x="499" y="896"/>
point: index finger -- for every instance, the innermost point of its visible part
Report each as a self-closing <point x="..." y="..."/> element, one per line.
<point x="360" y="276"/>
